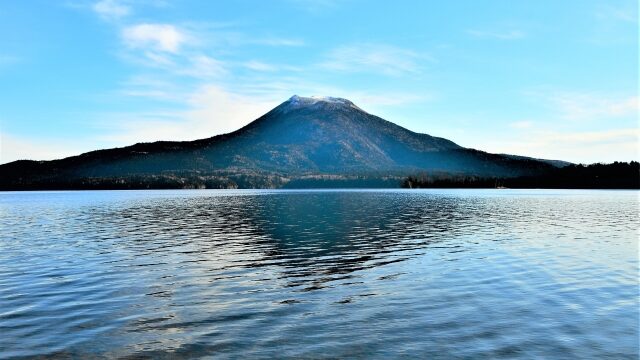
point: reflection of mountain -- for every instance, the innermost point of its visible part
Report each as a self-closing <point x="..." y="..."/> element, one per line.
<point x="302" y="142"/>
<point x="312" y="237"/>
<point x="328" y="235"/>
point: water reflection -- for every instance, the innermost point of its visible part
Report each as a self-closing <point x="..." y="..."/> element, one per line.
<point x="308" y="237"/>
<point x="319" y="274"/>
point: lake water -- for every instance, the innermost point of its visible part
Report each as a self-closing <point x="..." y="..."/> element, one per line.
<point x="320" y="274"/>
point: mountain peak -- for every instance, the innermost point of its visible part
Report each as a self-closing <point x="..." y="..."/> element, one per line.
<point x="303" y="101"/>
<point x="314" y="99"/>
<point x="303" y="136"/>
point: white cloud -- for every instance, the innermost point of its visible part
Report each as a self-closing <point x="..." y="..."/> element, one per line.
<point x="156" y="37"/>
<point x="176" y="51"/>
<point x="282" y="42"/>
<point x="263" y="67"/>
<point x="22" y="148"/>
<point x="155" y="59"/>
<point x="192" y="64"/>
<point x="369" y="100"/>
<point x="525" y="124"/>
<point x="111" y="9"/>
<point x="625" y="14"/>
<point x="212" y="111"/>
<point x="512" y="34"/>
<point x="577" y="126"/>
<point x="202" y="66"/>
<point x="150" y="88"/>
<point x="148" y="93"/>
<point x="315" y="6"/>
<point x="220" y="35"/>
<point x="583" y="106"/>
<point x="8" y="60"/>
<point x="259" y="66"/>
<point x="275" y="41"/>
<point x="379" y="58"/>
<point x="580" y="146"/>
<point x="595" y="137"/>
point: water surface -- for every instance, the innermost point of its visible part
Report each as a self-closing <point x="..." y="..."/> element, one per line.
<point x="319" y="274"/>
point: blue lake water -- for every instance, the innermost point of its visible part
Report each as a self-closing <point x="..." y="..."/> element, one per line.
<point x="320" y="274"/>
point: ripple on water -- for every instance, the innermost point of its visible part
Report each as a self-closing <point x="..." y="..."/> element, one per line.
<point x="287" y="274"/>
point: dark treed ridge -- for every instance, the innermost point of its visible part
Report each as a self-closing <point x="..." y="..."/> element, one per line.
<point x="618" y="175"/>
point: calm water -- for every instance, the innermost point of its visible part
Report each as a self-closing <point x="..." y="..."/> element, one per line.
<point x="320" y="274"/>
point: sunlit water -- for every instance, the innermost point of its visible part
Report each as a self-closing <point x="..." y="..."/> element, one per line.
<point x="320" y="274"/>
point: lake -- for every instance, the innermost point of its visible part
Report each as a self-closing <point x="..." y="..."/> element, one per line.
<point x="320" y="274"/>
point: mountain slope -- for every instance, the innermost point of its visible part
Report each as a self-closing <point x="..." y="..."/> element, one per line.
<point x="301" y="137"/>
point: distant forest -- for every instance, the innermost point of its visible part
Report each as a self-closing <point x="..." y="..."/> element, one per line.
<point x="618" y="175"/>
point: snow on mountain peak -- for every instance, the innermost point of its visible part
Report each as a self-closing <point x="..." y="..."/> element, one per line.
<point x="296" y="100"/>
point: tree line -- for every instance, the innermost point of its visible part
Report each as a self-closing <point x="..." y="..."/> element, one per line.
<point x="617" y="175"/>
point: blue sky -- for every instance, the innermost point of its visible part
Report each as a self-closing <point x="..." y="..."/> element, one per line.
<point x="552" y="79"/>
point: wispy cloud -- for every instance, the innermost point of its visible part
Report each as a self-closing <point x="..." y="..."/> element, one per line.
<point x="266" y="68"/>
<point x="259" y="66"/>
<point x="512" y="34"/>
<point x="575" y="146"/>
<point x="111" y="9"/>
<point x="278" y="41"/>
<point x="6" y="60"/>
<point x="14" y="147"/>
<point x="211" y="110"/>
<point x="620" y="13"/>
<point x="562" y="134"/>
<point x="147" y="86"/>
<point x="203" y="66"/>
<point x="172" y="49"/>
<point x="315" y="6"/>
<point x="525" y="124"/>
<point x="606" y="137"/>
<point x="378" y="58"/>
<point x="157" y="37"/>
<point x="616" y="24"/>
<point x="582" y="106"/>
<point x="377" y="100"/>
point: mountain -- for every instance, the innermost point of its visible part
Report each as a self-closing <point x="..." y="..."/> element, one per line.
<point x="300" y="142"/>
<point x="556" y="163"/>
